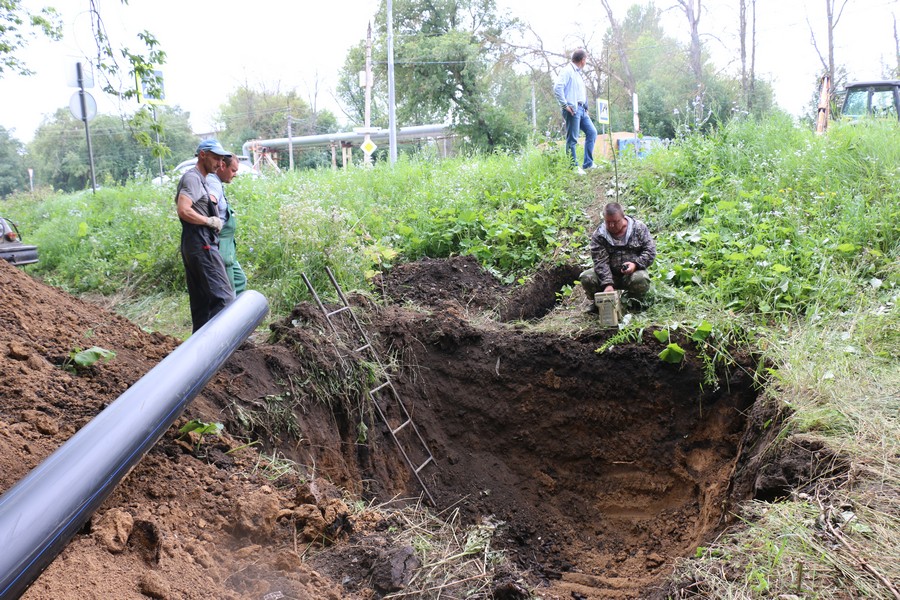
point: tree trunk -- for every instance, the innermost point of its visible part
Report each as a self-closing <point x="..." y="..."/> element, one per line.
<point x="833" y="19"/>
<point x="619" y="42"/>
<point x="829" y="5"/>
<point x="745" y="79"/>
<point x="696" y="60"/>
<point x="752" y="95"/>
<point x="896" y="48"/>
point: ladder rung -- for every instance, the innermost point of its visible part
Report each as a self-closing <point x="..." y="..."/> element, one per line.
<point x="363" y="347"/>
<point x="400" y="428"/>
<point x="340" y="310"/>
<point x="385" y="384"/>
<point x="422" y="466"/>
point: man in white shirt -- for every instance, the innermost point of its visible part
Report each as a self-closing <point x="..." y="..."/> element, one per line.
<point x="571" y="94"/>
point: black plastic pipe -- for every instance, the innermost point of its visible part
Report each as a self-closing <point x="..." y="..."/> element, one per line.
<point x="41" y="513"/>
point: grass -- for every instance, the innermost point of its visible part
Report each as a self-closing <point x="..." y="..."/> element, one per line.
<point x="509" y="211"/>
<point x="785" y="242"/>
<point x="455" y="560"/>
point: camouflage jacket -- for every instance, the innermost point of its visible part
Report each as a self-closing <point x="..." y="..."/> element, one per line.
<point x="609" y="253"/>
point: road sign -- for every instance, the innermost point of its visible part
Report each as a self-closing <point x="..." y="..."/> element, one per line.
<point x="151" y="92"/>
<point x="90" y="106"/>
<point x="603" y="111"/>
<point x="87" y="75"/>
<point x="368" y="146"/>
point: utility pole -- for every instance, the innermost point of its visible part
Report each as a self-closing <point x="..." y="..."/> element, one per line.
<point x="153" y="109"/>
<point x="367" y="123"/>
<point x="392" y="109"/>
<point x="290" y="144"/>
<point x="533" y="109"/>
<point x="84" y="117"/>
<point x="368" y="115"/>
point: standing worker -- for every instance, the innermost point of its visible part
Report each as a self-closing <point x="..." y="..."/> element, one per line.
<point x="207" y="283"/>
<point x="622" y="249"/>
<point x="227" y="245"/>
<point x="571" y="94"/>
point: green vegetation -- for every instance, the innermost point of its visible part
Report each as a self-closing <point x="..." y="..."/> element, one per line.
<point x="82" y="359"/>
<point x="250" y="114"/>
<point x="769" y="237"/>
<point x="509" y="211"/>
<point x="199" y="429"/>
<point x="122" y="149"/>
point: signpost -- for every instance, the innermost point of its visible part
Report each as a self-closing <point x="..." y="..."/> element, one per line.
<point x="153" y="92"/>
<point x="83" y="106"/>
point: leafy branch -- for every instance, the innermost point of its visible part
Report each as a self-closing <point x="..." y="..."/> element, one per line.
<point x="142" y="69"/>
<point x="17" y="26"/>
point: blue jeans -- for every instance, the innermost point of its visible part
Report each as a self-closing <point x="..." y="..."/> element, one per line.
<point x="580" y="121"/>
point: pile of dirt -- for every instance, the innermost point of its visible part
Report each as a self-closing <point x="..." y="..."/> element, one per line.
<point x="603" y="468"/>
<point x="462" y="282"/>
<point x="185" y="523"/>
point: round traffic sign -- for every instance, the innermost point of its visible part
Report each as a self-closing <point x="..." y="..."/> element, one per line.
<point x="90" y="106"/>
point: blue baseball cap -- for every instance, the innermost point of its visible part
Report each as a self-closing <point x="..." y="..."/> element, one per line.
<point x="212" y="145"/>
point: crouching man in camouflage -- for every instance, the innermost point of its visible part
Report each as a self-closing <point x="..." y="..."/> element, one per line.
<point x="622" y="250"/>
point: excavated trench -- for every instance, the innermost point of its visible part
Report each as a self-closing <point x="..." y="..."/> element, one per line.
<point x="603" y="467"/>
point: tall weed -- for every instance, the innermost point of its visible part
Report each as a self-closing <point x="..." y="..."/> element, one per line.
<point x="511" y="212"/>
<point x="770" y="218"/>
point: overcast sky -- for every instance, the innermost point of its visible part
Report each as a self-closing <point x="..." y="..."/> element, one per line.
<point x="214" y="47"/>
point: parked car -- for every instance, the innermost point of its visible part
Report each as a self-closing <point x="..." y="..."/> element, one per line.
<point x="872" y="98"/>
<point x="245" y="167"/>
<point x="12" y="250"/>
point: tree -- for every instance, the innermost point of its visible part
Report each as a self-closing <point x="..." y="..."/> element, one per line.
<point x="664" y="78"/>
<point x="748" y="72"/>
<point x="896" y="72"/>
<point x="450" y="62"/>
<point x="59" y="157"/>
<point x="12" y="168"/>
<point x="833" y="18"/>
<point x="616" y="39"/>
<point x="692" y="13"/>
<point x="17" y="26"/>
<point x="249" y="114"/>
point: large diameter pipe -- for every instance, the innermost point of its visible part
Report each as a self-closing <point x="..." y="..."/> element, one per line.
<point x="41" y="513"/>
<point x="412" y="132"/>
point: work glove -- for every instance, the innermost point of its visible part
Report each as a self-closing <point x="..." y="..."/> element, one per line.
<point x="215" y="223"/>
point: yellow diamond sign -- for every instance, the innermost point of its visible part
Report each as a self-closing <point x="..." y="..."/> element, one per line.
<point x="368" y="146"/>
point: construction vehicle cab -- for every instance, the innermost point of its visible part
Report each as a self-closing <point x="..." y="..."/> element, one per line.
<point x="872" y="98"/>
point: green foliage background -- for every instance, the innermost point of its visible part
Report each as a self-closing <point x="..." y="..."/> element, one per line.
<point x="58" y="152"/>
<point x="13" y="174"/>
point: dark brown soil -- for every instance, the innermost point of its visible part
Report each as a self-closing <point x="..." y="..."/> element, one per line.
<point x="604" y="468"/>
<point x="461" y="281"/>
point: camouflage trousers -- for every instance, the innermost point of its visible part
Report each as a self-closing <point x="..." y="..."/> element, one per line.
<point x="635" y="285"/>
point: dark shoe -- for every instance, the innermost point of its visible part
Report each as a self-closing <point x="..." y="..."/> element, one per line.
<point x="590" y="309"/>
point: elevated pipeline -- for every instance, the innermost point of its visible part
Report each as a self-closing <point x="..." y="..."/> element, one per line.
<point x="41" y="513"/>
<point x="413" y="132"/>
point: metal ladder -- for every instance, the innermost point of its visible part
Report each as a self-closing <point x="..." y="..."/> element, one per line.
<point x="384" y="387"/>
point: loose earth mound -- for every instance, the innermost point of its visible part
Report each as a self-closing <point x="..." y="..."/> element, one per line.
<point x="600" y="469"/>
